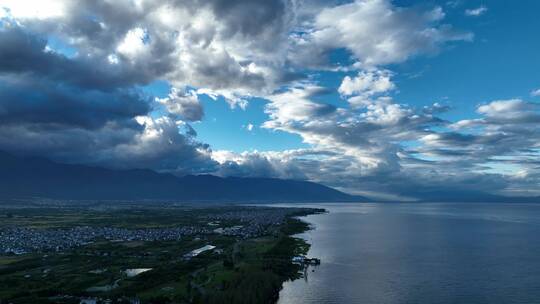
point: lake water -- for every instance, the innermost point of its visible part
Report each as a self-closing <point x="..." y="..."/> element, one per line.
<point x="421" y="253"/>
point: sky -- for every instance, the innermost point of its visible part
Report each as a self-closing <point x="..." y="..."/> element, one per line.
<point x="389" y="99"/>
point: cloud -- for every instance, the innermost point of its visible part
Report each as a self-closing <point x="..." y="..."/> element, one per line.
<point x="436" y="108"/>
<point x="454" y="3"/>
<point x="209" y="45"/>
<point x="134" y="42"/>
<point x="86" y="109"/>
<point x="29" y="9"/>
<point x="71" y="74"/>
<point x="377" y="33"/>
<point x="343" y="172"/>
<point x="22" y="52"/>
<point x="506" y="131"/>
<point x="150" y="143"/>
<point x="38" y="101"/>
<point x="535" y="93"/>
<point x="367" y="83"/>
<point x="236" y="49"/>
<point x="258" y="164"/>
<point x="384" y="147"/>
<point x="86" y="106"/>
<point x="510" y="111"/>
<point x="184" y="103"/>
<point x="369" y="134"/>
<point x="295" y="106"/>
<point x="475" y="12"/>
<point x="162" y="147"/>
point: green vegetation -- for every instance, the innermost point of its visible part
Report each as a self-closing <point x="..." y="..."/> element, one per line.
<point x="258" y="268"/>
<point x="241" y="270"/>
<point x="158" y="216"/>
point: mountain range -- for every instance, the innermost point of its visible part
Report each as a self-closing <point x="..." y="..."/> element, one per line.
<point x="31" y="177"/>
<point x="25" y="177"/>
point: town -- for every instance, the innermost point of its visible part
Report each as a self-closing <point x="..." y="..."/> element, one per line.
<point x="21" y="240"/>
<point x="252" y="222"/>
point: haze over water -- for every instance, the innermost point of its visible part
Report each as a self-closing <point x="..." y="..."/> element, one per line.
<point x="422" y="253"/>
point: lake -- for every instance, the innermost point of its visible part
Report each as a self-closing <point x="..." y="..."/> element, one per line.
<point x="421" y="253"/>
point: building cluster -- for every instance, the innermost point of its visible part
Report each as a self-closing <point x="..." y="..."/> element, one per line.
<point x="252" y="222"/>
<point x="242" y="223"/>
<point x="20" y="240"/>
<point x="123" y="300"/>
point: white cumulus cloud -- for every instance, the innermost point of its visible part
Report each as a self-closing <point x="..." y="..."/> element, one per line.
<point x="376" y="32"/>
<point x="475" y="12"/>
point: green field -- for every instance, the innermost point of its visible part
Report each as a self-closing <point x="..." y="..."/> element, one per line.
<point x="243" y="270"/>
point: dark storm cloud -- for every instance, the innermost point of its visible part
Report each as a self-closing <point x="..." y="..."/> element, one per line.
<point x="44" y="102"/>
<point x="26" y="53"/>
<point x="85" y="109"/>
<point x="252" y="17"/>
<point x="209" y="45"/>
<point x="112" y="146"/>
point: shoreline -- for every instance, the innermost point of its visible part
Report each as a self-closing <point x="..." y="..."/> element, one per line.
<point x="301" y="247"/>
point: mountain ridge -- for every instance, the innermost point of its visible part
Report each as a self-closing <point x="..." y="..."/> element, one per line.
<point x="39" y="177"/>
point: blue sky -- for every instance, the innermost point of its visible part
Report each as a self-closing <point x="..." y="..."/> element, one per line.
<point x="375" y="97"/>
<point x="502" y="62"/>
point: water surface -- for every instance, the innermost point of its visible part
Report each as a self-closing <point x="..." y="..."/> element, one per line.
<point x="422" y="253"/>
